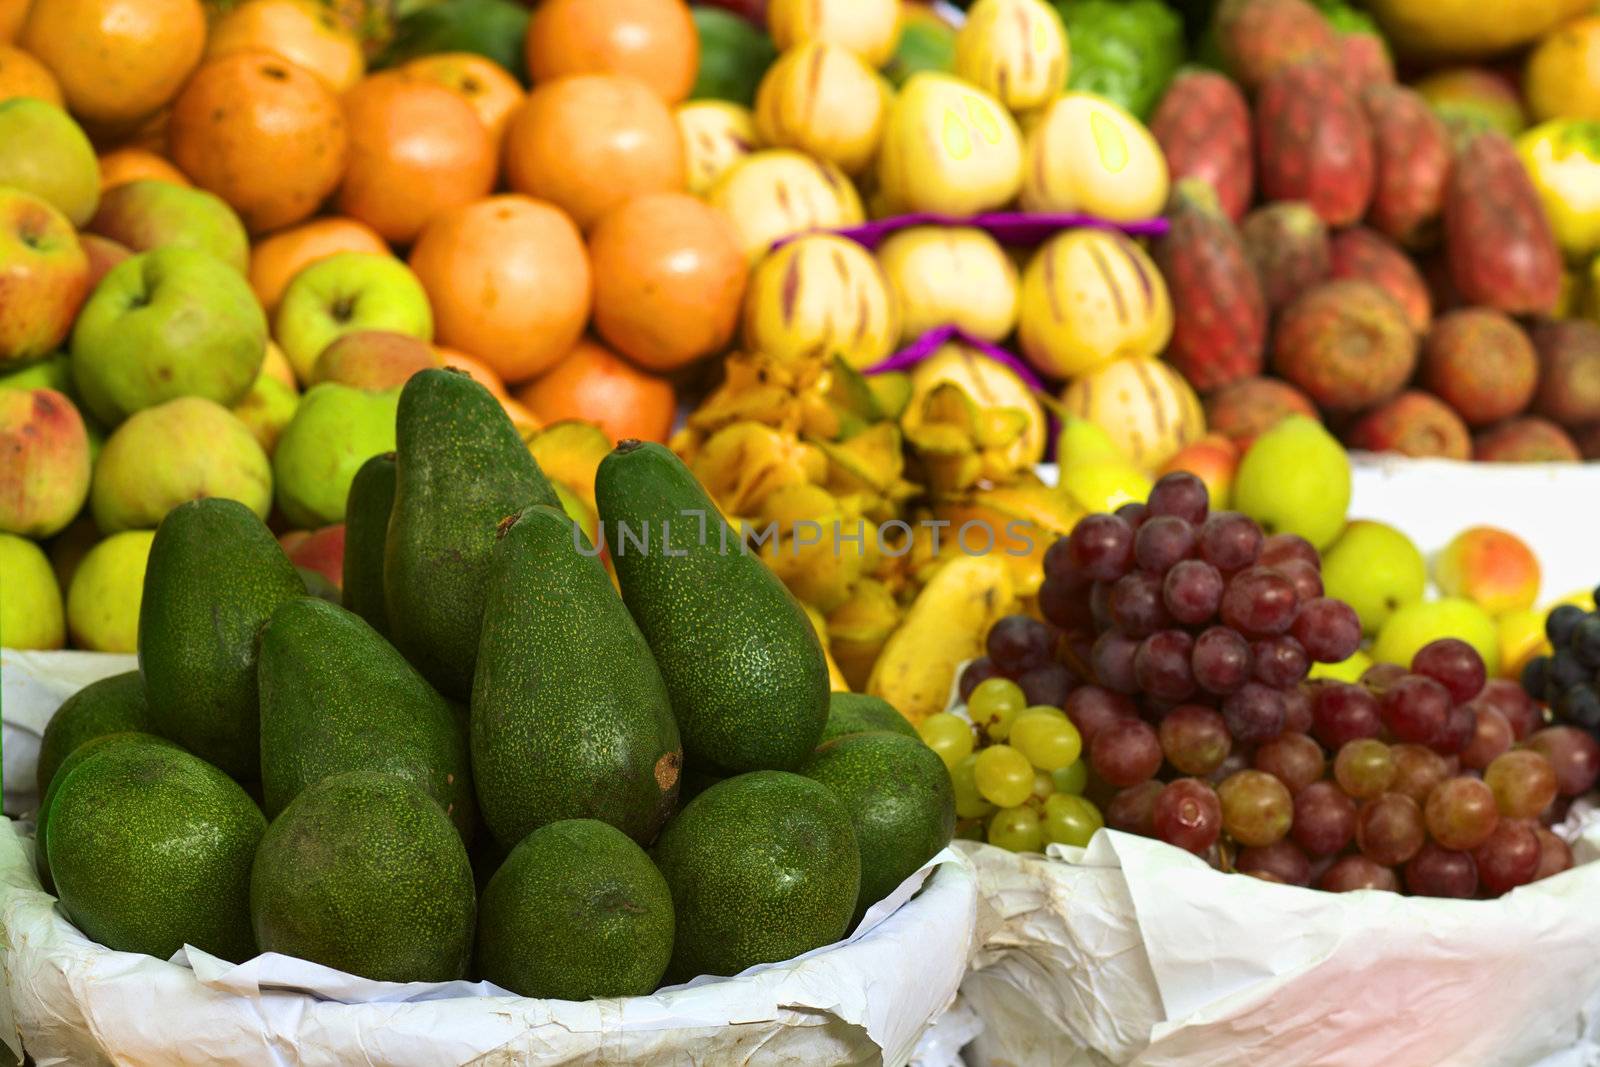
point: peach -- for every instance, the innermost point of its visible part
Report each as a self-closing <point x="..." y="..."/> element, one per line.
<point x="44" y="462"/>
<point x="321" y="551"/>
<point x="373" y="359"/>
<point x="1491" y="566"/>
<point x="1213" y="459"/>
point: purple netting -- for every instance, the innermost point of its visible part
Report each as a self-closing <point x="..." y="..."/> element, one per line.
<point x="928" y="343"/>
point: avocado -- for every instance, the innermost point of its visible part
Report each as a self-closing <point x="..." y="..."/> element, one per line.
<point x="460" y="468"/>
<point x="335" y="697"/>
<point x="762" y="867"/>
<point x="570" y="718"/>
<point x="74" y="758"/>
<point x="576" y="911"/>
<point x="108" y="706"/>
<point x="855" y="713"/>
<point x="317" y="585"/>
<point x="366" y="528"/>
<point x="363" y="872"/>
<point x="214" y="577"/>
<point x="901" y="804"/>
<point x="151" y="848"/>
<point x="744" y="669"/>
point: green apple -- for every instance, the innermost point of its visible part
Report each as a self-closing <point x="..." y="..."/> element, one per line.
<point x="1375" y="569"/>
<point x="44" y="462"/>
<point x="30" y="611"/>
<point x="145" y="215"/>
<point x="1423" y="621"/>
<point x="1295" y="479"/>
<point x="54" y="372"/>
<point x="334" y="431"/>
<point x="48" y="155"/>
<point x="266" y="409"/>
<point x="103" y="602"/>
<point x="342" y="294"/>
<point x="44" y="276"/>
<point x="169" y="323"/>
<point x="175" y="452"/>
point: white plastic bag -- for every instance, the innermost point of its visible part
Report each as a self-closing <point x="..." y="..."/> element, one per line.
<point x="867" y="999"/>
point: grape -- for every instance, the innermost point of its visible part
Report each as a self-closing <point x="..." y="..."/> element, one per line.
<point x="1305" y="577"/>
<point x="1324" y="819"/>
<point x="1112" y="662"/>
<point x="963" y="780"/>
<point x="1573" y="754"/>
<point x="1341" y="713"/>
<point x="1417" y="770"/>
<point x="1195" y="739"/>
<point x="1561" y="623"/>
<point x="1283" y="860"/>
<point x="1491" y="735"/>
<point x="1555" y="855"/>
<point x="1441" y="872"/>
<point x="1415" y="709"/>
<point x="1280" y="662"/>
<point x="1293" y="759"/>
<point x="1364" y="768"/>
<point x="1460" y="727"/>
<point x="1018" y="643"/>
<point x="1100" y="605"/>
<point x="1048" y="741"/>
<point x="1134" y="513"/>
<point x="994" y="704"/>
<point x="1181" y="494"/>
<point x="1237" y="760"/>
<point x="1280" y="548"/>
<point x="1524" y="783"/>
<point x="1565" y="672"/>
<point x="1070" y="820"/>
<point x="1585" y="642"/>
<point x="1066" y="608"/>
<point x="1049" y="685"/>
<point x="1101" y="547"/>
<point x="1125" y="752"/>
<point x="1059" y="568"/>
<point x="1380" y="677"/>
<point x="1255" y="713"/>
<point x="1162" y="542"/>
<point x="1016" y="829"/>
<point x="1091" y="707"/>
<point x="1509" y="858"/>
<point x="1072" y="778"/>
<point x="1389" y="829"/>
<point x="1454" y="664"/>
<point x="1329" y="629"/>
<point x="949" y="736"/>
<point x="1350" y="873"/>
<point x="1044" y="788"/>
<point x="1003" y="776"/>
<point x="1220" y="661"/>
<point x="1192" y="592"/>
<point x="1230" y="541"/>
<point x="1137" y="606"/>
<point x="1259" y="602"/>
<point x="1256" y="808"/>
<point x="975" y="673"/>
<point x="1581" y="704"/>
<point x="1508" y="698"/>
<point x="1132" y="810"/>
<point x="1536" y="677"/>
<point x="1161" y="666"/>
<point x="1461" y="814"/>
<point x="1297" y="710"/>
<point x="1187" y="814"/>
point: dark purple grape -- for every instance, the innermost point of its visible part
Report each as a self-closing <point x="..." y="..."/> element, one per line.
<point x="1284" y="860"/>
<point x="1162" y="542"/>
<point x="1585" y="642"/>
<point x="1133" y="513"/>
<point x="1192" y="592"/>
<point x="1187" y="814"/>
<point x="1254" y="714"/>
<point x="1280" y="662"/>
<point x="1091" y="707"/>
<point x="1536" y="678"/>
<point x="1125" y="752"/>
<point x="1058" y="565"/>
<point x="1341" y="713"/>
<point x="1442" y="872"/>
<point x="978" y="671"/>
<point x="1230" y="541"/>
<point x="1491" y="735"/>
<point x="1112" y="662"/>
<point x="1510" y="700"/>
<point x="1305" y="578"/>
<point x="1416" y="709"/>
<point x="1454" y="664"/>
<point x="1182" y="494"/>
<point x="1132" y="810"/>
<point x="1101" y="547"/>
<point x="1460" y="726"/>
<point x="1324" y="819"/>
<point x="1328" y="629"/>
<point x="1297" y="710"/>
<point x="1280" y="548"/>
<point x="1018" y="643"/>
<point x="1259" y="602"/>
<point x="1048" y="685"/>
<point x="1100" y="604"/>
<point x="1220" y="661"/>
<point x="1509" y="858"/>
<point x="1562" y="623"/>
<point x="1137" y="608"/>
<point x="1067" y="608"/>
<point x="1161" y="666"/>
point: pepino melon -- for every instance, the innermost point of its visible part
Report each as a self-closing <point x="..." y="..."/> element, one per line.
<point x="1457" y="29"/>
<point x="1143" y="405"/>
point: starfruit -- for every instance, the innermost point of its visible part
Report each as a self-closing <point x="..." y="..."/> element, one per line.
<point x="778" y="192"/>
<point x="950" y="276"/>
<point x="818" y="297"/>
<point x="858" y="628"/>
<point x="1018" y="522"/>
<point x="1015" y="50"/>
<point x="741" y="465"/>
<point x="991" y="386"/>
<point x="948" y="147"/>
<point x="960" y="443"/>
<point x="716" y="135"/>
<point x="822" y="99"/>
<point x="815" y="544"/>
<point x="570" y="452"/>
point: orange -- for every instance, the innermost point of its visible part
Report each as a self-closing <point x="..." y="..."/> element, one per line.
<point x="117" y="61"/>
<point x="262" y="133"/>
<point x="589" y="142"/>
<point x="275" y="260"/>
<point x="669" y="279"/>
<point x="523" y="419"/>
<point x="22" y="75"/>
<point x="651" y="40"/>
<point x="509" y="283"/>
<point x="596" y="385"/>
<point x="481" y="82"/>
<point x="12" y="15"/>
<point x="121" y="165"/>
<point x="301" y="31"/>
<point x="417" y="150"/>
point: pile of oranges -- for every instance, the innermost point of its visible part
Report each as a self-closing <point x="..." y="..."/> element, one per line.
<point x="567" y="265"/>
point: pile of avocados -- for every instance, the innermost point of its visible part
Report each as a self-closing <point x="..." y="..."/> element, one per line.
<point x="476" y="765"/>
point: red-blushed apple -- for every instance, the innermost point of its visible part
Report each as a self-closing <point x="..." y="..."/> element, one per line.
<point x="321" y="551"/>
<point x="344" y="293"/>
<point x="1212" y="459"/>
<point x="48" y="154"/>
<point x="374" y="359"/>
<point x="44" y="276"/>
<point x="150" y="214"/>
<point x="44" y="462"/>
<point x="103" y="253"/>
<point x="1494" y="567"/>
